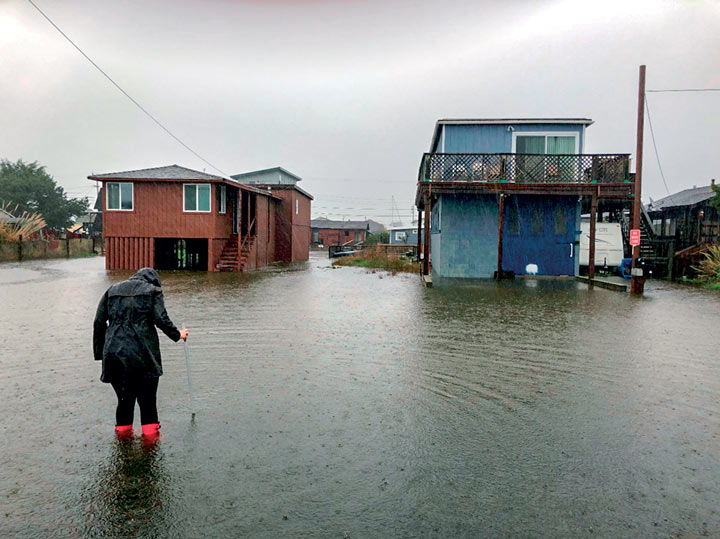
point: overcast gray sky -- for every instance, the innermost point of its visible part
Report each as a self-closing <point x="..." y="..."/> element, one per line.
<point x="346" y="93"/>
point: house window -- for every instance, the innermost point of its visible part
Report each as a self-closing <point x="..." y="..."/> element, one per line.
<point x="546" y="143"/>
<point x="120" y="196"/>
<point x="222" y="199"/>
<point x="297" y="206"/>
<point x="358" y="236"/>
<point x="316" y="236"/>
<point x="347" y="233"/>
<point x="401" y="236"/>
<point x="196" y="197"/>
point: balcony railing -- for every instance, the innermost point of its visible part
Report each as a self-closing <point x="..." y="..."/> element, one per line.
<point x="525" y="168"/>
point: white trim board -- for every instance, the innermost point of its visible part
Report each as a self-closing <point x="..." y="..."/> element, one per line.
<point x="197" y="198"/>
<point x="107" y="196"/>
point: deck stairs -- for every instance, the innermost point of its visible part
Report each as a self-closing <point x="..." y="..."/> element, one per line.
<point x="229" y="259"/>
<point x="648" y="238"/>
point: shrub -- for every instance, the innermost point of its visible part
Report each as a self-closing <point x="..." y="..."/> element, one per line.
<point x="709" y="267"/>
<point x="27" y="224"/>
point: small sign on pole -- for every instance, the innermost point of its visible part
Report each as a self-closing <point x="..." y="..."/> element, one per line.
<point x="635" y="237"/>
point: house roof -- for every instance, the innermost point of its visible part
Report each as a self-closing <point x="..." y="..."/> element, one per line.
<point x="285" y="186"/>
<point x="339" y="225"/>
<point x="688" y="197"/>
<point x="175" y="173"/>
<point x="483" y="121"/>
<point x="171" y="172"/>
<point x="246" y="175"/>
<point x="502" y="121"/>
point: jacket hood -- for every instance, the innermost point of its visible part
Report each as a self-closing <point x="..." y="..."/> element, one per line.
<point x="148" y="275"/>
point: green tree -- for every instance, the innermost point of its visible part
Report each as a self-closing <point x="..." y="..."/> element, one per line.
<point x="378" y="237"/>
<point x="34" y="190"/>
<point x="715" y="201"/>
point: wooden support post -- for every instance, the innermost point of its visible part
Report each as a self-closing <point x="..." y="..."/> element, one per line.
<point x="501" y="210"/>
<point x="419" y="233"/>
<point x="637" y="283"/>
<point x="428" y="212"/>
<point x="20" y="248"/>
<point x="593" y="223"/>
<point x="671" y="260"/>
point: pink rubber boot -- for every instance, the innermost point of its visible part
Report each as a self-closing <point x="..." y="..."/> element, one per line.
<point x="124" y="432"/>
<point x="151" y="432"/>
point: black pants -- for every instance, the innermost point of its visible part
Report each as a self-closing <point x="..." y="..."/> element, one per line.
<point x="142" y="390"/>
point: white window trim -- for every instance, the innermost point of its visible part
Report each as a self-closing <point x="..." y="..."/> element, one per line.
<point x="107" y="197"/>
<point x="297" y="206"/>
<point x="196" y="198"/>
<point x="223" y="199"/>
<point x="546" y="134"/>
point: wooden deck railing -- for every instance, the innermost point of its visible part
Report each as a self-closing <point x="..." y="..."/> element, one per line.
<point x="525" y="168"/>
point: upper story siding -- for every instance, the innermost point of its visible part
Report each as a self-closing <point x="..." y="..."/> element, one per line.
<point x="496" y="137"/>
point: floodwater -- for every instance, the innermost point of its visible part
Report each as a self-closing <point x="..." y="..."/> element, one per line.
<point x="345" y="403"/>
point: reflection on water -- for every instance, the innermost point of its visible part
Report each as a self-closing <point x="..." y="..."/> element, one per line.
<point x="127" y="496"/>
<point x="342" y="401"/>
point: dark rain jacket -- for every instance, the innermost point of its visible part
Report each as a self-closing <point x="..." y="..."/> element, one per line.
<point x="124" y="335"/>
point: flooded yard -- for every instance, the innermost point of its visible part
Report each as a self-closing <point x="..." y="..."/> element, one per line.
<point x="346" y="403"/>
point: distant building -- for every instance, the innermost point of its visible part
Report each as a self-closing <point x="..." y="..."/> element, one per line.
<point x="267" y="176"/>
<point x="686" y="217"/>
<point x="403" y="235"/>
<point x="502" y="195"/>
<point x="178" y="218"/>
<point x="327" y="232"/>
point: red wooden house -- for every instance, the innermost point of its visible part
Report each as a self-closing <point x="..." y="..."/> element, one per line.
<point x="177" y="218"/>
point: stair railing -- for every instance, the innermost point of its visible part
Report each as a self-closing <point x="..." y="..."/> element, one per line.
<point x="242" y="246"/>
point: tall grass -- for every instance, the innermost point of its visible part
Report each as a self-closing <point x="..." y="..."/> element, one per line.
<point x="709" y="267"/>
<point x="27" y="224"/>
<point x="379" y="258"/>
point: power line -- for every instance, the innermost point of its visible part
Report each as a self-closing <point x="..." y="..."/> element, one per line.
<point x="138" y="105"/>
<point x="657" y="155"/>
<point x="686" y="90"/>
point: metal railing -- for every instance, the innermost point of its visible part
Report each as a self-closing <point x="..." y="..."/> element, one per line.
<point x="525" y="168"/>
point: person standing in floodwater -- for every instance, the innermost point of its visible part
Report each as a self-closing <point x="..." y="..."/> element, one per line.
<point x="125" y="339"/>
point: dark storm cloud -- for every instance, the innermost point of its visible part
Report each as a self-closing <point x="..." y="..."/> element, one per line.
<point x="346" y="93"/>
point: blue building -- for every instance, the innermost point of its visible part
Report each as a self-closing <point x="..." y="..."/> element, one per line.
<point x="504" y="195"/>
<point x="404" y="235"/>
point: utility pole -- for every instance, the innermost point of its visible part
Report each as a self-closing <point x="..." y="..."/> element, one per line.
<point x="637" y="281"/>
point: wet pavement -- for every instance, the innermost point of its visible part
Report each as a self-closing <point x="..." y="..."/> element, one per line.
<point x="346" y="403"/>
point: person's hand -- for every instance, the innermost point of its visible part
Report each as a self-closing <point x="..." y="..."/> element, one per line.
<point x="184" y="334"/>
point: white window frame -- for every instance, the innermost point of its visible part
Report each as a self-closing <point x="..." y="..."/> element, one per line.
<point x="297" y="206"/>
<point x="546" y="134"/>
<point x="223" y="198"/>
<point x="120" y="208"/>
<point x="196" y="185"/>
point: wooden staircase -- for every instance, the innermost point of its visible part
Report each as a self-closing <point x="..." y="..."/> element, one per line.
<point x="229" y="259"/>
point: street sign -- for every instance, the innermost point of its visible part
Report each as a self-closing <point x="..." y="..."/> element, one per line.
<point x="635" y="237"/>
